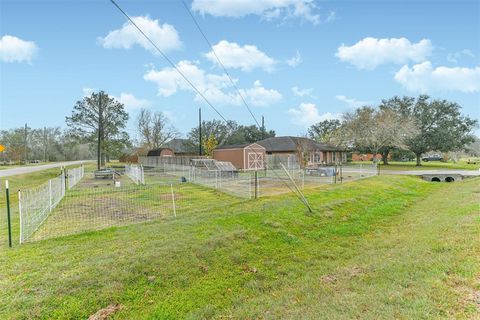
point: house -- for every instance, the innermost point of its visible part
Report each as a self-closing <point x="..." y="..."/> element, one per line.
<point x="181" y="147"/>
<point x="160" y="152"/>
<point x="306" y="151"/>
<point x="250" y="156"/>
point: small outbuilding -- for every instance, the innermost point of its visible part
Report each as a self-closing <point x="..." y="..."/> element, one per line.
<point x="243" y="156"/>
<point x="160" y="152"/>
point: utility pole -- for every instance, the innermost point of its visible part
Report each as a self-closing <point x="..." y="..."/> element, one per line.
<point x="45" y="144"/>
<point x="200" y="130"/>
<point x="25" y="144"/>
<point x="99" y="140"/>
<point x="263" y="128"/>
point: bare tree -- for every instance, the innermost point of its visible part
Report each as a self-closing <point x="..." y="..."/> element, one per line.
<point x="154" y="128"/>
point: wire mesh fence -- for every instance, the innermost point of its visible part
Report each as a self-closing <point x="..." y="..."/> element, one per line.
<point x="92" y="203"/>
<point x="135" y="173"/>
<point x="36" y="204"/>
<point x="74" y="176"/>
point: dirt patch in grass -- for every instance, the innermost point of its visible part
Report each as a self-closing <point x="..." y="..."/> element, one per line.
<point x="105" y="313"/>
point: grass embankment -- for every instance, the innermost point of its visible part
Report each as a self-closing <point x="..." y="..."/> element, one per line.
<point x="385" y="247"/>
<point x="431" y="165"/>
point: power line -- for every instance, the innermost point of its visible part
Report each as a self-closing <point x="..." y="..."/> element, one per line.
<point x="221" y="64"/>
<point x="169" y="61"/>
<point x="299" y="195"/>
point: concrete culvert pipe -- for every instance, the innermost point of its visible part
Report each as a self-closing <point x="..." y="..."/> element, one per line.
<point x="436" y="179"/>
<point x="449" y="179"/>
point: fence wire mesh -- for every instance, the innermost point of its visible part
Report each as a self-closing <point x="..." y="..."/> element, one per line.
<point x="36" y="204"/>
<point x="135" y="173"/>
<point x="146" y="194"/>
<point x="74" y="176"/>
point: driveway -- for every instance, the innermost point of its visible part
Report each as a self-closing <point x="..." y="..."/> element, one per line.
<point x="30" y="169"/>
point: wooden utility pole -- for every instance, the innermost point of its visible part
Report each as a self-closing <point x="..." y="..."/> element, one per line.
<point x="263" y="128"/>
<point x="200" y="130"/>
<point x="25" y="144"/>
<point x="99" y="140"/>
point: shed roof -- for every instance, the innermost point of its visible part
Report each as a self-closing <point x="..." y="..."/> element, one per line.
<point x="237" y="146"/>
<point x="293" y="144"/>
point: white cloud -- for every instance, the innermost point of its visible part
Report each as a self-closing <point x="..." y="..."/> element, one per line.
<point x="216" y="88"/>
<point x="267" y="9"/>
<point x="307" y="114"/>
<point x="369" y="53"/>
<point x="259" y="96"/>
<point x="131" y="102"/>
<point x="246" y="57"/>
<point x="295" y="60"/>
<point x="165" y="36"/>
<point x="351" y="102"/>
<point x="453" y="57"/>
<point x="424" y="77"/>
<point x="302" y="92"/>
<point x="13" y="49"/>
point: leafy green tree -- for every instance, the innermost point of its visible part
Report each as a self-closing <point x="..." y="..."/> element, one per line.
<point x="324" y="131"/>
<point x="249" y="134"/>
<point x="441" y="126"/>
<point x="219" y="129"/>
<point x="102" y="119"/>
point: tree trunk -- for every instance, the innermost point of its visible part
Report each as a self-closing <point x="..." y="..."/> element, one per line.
<point x="385" y="157"/>
<point x="419" y="159"/>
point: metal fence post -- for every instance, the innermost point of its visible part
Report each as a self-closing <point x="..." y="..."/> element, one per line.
<point x="256" y="184"/>
<point x="20" y="215"/>
<point x="8" y="214"/>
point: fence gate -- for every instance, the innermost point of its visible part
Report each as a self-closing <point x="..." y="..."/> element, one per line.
<point x="255" y="161"/>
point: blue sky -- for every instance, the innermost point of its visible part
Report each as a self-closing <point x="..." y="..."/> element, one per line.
<point x="295" y="62"/>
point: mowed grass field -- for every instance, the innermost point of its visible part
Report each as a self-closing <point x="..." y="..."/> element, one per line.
<point x="380" y="248"/>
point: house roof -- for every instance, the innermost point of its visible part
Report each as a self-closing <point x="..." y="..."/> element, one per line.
<point x="156" y="152"/>
<point x="179" y="145"/>
<point x="293" y="144"/>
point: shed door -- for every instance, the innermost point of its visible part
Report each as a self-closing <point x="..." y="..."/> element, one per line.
<point x="255" y="161"/>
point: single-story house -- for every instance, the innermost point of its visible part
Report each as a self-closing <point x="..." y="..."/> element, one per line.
<point x="160" y="152"/>
<point x="181" y="147"/>
<point x="309" y="152"/>
<point x="250" y="156"/>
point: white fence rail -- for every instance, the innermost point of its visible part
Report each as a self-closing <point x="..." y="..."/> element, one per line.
<point x="135" y="173"/>
<point x="36" y="204"/>
<point x="74" y="176"/>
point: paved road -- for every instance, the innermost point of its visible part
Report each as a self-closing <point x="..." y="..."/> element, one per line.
<point x="29" y="169"/>
<point x="437" y="171"/>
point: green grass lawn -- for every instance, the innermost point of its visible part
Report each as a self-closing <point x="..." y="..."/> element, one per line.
<point x="381" y="248"/>
<point x="431" y="165"/>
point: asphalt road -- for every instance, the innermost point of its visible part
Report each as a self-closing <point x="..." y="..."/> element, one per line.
<point x="30" y="169"/>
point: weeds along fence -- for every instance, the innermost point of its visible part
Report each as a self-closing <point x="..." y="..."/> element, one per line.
<point x="74" y="176"/>
<point x="135" y="173"/>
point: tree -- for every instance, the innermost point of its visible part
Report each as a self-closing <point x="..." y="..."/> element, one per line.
<point x="154" y="129"/>
<point x="377" y="130"/>
<point x="441" y="126"/>
<point x="101" y="118"/>
<point x="249" y="134"/>
<point x="210" y="144"/>
<point x="324" y="131"/>
<point x="220" y="130"/>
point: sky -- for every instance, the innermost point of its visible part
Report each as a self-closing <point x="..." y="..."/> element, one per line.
<point x="296" y="62"/>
